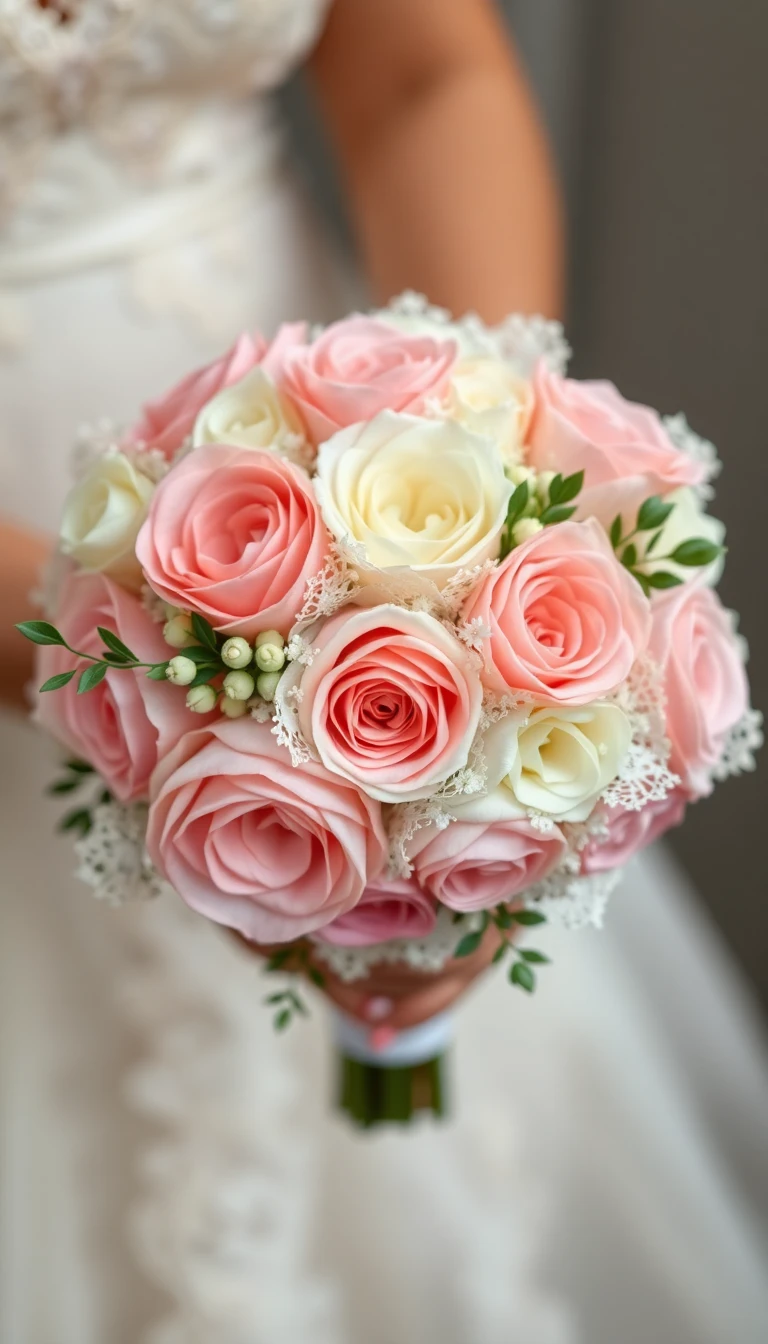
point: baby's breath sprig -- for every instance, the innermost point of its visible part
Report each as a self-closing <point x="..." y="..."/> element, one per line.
<point x="521" y="971"/>
<point x="638" y="546"/>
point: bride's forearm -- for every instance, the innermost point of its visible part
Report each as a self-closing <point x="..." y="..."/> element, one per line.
<point x="22" y="554"/>
<point x="449" y="174"/>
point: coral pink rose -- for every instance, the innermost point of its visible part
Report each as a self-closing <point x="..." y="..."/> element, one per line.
<point x="489" y="854"/>
<point x="704" y="679"/>
<point x="359" y="367"/>
<point x="252" y="842"/>
<point x="234" y="534"/>
<point x="165" y="423"/>
<point x="622" y="447"/>
<point x="389" y="701"/>
<point x="119" y="726"/>
<point x="567" y="621"/>
<point x="629" y="832"/>
<point x="386" y="910"/>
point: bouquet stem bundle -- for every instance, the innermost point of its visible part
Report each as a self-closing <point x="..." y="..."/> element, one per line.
<point x="392" y="1084"/>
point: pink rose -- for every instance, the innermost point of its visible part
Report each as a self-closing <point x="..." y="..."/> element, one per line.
<point x="629" y="832"/>
<point x="704" y="679"/>
<point x="234" y="534"/>
<point x="254" y="843"/>
<point x="622" y="447"/>
<point x="389" y="701"/>
<point x="361" y="366"/>
<point x="165" y="423"/>
<point x="490" y="854"/>
<point x="567" y="621"/>
<point x="386" y="910"/>
<point x="118" y="726"/>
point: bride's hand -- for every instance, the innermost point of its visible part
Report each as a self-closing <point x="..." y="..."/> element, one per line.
<point x="396" y="995"/>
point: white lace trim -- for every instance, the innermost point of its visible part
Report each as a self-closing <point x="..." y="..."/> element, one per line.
<point x="113" y="856"/>
<point x="644" y="776"/>
<point x="574" y="901"/>
<point x="430" y="953"/>
<point x="694" y="446"/>
<point x="738" y="754"/>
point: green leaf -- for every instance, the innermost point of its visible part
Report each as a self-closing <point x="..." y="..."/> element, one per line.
<point x="40" y="632"/>
<point x="278" y="997"/>
<point x="534" y="958"/>
<point x="198" y="653"/>
<point x="204" y="675"/>
<point x="569" y="488"/>
<point x="64" y="785"/>
<point x="696" y="551"/>
<point x="114" y="644"/>
<point x="502" y="918"/>
<point x="555" y="486"/>
<point x="78" y="820"/>
<point x="617" y="527"/>
<point x="642" y="579"/>
<point x="518" y="503"/>
<point x="528" y="918"/>
<point x="157" y="672"/>
<point x="283" y="1019"/>
<point x="653" y="513"/>
<point x="91" y="677"/>
<point x="521" y="975"/>
<point x="316" y="977"/>
<point x="653" y="543"/>
<point x="469" y="944"/>
<point x="56" y="683"/>
<point x="79" y="767"/>
<point x="661" y="579"/>
<point x="116" y="659"/>
<point x="629" y="555"/>
<point x="559" y="514"/>
<point x="204" y="632"/>
<point x="298" y="1003"/>
<point x="501" y="951"/>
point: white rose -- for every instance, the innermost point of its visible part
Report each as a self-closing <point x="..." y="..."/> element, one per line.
<point x="250" y="414"/>
<point x="686" y="520"/>
<point x="489" y="397"/>
<point x="102" y="516"/>
<point x="558" y="761"/>
<point x="423" y="493"/>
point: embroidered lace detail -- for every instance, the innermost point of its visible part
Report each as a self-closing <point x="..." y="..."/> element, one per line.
<point x="330" y="589"/>
<point x="573" y="901"/>
<point x="744" y="739"/>
<point x="644" y="776"/>
<point x="113" y="856"/>
<point x="701" y="450"/>
<point x="430" y="953"/>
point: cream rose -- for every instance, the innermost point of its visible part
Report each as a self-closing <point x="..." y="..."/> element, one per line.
<point x="103" y="514"/>
<point x="250" y="414"/>
<point x="686" y="520"/>
<point x="558" y="761"/>
<point x="489" y="397"/>
<point x="424" y="493"/>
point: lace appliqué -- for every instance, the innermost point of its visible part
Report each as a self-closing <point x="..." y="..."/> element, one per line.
<point x="430" y="953"/>
<point x="738" y="754"/>
<point x="113" y="855"/>
<point x="574" y="901"/>
<point x="644" y="776"/>
<point x="694" y="446"/>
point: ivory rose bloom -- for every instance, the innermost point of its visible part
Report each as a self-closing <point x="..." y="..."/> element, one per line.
<point x="424" y="493"/>
<point x="359" y="367"/>
<point x="558" y="760"/>
<point x="629" y="832"/>
<point x="389" y="701"/>
<point x="386" y="910"/>
<point x="165" y="423"/>
<point x="489" y="854"/>
<point x="119" y="726"/>
<point x="234" y="534"/>
<point x="622" y="447"/>
<point x="567" y="620"/>
<point x="705" y="682"/>
<point x="103" y="513"/>
<point x="255" y="844"/>
<point x="250" y="414"/>
<point x="489" y="397"/>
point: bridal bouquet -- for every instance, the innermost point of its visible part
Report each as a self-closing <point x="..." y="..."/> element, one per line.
<point x="379" y="641"/>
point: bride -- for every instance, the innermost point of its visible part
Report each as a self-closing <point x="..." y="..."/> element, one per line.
<point x="171" y="1173"/>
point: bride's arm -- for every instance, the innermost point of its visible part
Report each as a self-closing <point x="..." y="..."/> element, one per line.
<point x="22" y="554"/>
<point x="443" y="155"/>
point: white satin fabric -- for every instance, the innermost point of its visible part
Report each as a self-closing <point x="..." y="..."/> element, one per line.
<point x="171" y="1171"/>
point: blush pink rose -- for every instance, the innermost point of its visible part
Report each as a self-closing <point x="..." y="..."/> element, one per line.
<point x="120" y="726"/>
<point x="705" y="682"/>
<point x="165" y="423"/>
<point x="359" y="367"/>
<point x="489" y="854"/>
<point x="254" y="843"/>
<point x="629" y="832"/>
<point x="234" y="534"/>
<point x="389" y="701"/>
<point x="622" y="447"/>
<point x="386" y="910"/>
<point x="567" y="620"/>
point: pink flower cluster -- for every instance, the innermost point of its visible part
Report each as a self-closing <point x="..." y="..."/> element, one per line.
<point x="280" y="820"/>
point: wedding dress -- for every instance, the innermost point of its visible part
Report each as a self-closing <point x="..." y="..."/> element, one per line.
<point x="171" y="1171"/>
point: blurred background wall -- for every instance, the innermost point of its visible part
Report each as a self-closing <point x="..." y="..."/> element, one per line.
<point x="658" y="111"/>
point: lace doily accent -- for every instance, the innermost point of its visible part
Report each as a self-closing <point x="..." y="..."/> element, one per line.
<point x="573" y="901"/>
<point x="113" y="856"/>
<point x="424" y="954"/>
<point x="327" y="591"/>
<point x="701" y="450"/>
<point x="738" y="754"/>
<point x="644" y="776"/>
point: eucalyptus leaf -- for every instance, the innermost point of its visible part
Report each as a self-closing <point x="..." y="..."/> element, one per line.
<point x="40" y="632"/>
<point x="60" y="679"/>
<point x="91" y="677"/>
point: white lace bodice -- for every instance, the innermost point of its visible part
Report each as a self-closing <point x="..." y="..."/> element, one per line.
<point x="128" y="95"/>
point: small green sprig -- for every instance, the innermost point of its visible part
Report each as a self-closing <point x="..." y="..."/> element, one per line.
<point x="521" y="971"/>
<point x="549" y="505"/>
<point x="78" y="774"/>
<point x="638" y="546"/>
<point x="295" y="958"/>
